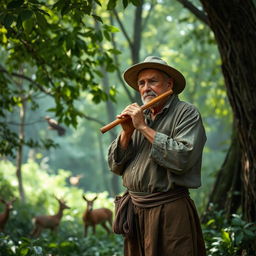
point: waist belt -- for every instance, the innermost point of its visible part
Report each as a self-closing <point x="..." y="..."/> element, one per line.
<point x="158" y="198"/>
<point x="124" y="213"/>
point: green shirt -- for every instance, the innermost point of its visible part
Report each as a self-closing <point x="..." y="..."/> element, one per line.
<point x="175" y="156"/>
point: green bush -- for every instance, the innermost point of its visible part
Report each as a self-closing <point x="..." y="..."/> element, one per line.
<point x="40" y="187"/>
<point x="222" y="237"/>
<point x="229" y="238"/>
<point x="100" y="245"/>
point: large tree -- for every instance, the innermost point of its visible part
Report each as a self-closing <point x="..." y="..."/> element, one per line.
<point x="57" y="47"/>
<point x="234" y="26"/>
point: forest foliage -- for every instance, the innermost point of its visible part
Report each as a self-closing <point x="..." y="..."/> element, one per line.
<point x="61" y="75"/>
<point x="221" y="237"/>
<point x="55" y="59"/>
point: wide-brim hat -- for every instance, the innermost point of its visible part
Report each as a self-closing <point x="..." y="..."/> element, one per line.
<point x="152" y="62"/>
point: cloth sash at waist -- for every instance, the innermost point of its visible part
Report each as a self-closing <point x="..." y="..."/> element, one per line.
<point x="158" y="198"/>
<point x="124" y="212"/>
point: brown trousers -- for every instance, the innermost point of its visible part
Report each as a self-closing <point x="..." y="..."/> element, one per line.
<point x="170" y="229"/>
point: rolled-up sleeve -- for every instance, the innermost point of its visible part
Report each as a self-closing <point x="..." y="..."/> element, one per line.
<point x="181" y="150"/>
<point x="118" y="157"/>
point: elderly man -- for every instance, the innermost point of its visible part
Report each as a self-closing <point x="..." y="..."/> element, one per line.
<point x="158" y="153"/>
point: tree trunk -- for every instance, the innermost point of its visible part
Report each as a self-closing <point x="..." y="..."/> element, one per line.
<point x="136" y="45"/>
<point x="226" y="193"/>
<point x="234" y="25"/>
<point x="20" y="150"/>
<point x="135" y="50"/>
<point x="111" y="113"/>
<point x="104" y="168"/>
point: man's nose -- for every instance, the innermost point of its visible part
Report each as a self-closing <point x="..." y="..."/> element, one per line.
<point x="147" y="86"/>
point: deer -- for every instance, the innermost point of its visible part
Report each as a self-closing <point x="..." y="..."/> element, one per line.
<point x="49" y="221"/>
<point x="74" y="180"/>
<point x="4" y="216"/>
<point x="94" y="217"/>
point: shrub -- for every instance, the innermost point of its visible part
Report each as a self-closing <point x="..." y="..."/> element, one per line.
<point x="229" y="238"/>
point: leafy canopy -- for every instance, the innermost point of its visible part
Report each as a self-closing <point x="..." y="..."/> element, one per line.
<point x="51" y="48"/>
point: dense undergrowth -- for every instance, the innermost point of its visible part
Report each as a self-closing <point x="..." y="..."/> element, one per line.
<point x="223" y="237"/>
<point x="50" y="245"/>
<point x="234" y="237"/>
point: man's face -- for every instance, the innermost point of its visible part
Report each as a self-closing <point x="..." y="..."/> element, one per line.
<point x="151" y="83"/>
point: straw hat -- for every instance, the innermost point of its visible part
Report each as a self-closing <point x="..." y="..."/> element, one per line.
<point x="153" y="62"/>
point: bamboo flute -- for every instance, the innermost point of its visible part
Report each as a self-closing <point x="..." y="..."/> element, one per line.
<point x="143" y="107"/>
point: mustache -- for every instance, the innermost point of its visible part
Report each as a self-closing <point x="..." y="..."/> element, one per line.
<point x="151" y="93"/>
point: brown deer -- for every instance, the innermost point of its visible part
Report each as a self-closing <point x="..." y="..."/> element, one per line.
<point x="49" y="221"/>
<point x="74" y="180"/>
<point x="98" y="216"/>
<point x="4" y="216"/>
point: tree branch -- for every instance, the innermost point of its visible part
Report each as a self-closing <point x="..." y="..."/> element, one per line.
<point x="40" y="87"/>
<point x="25" y="124"/>
<point x="119" y="73"/>
<point x="31" y="50"/>
<point x="123" y="28"/>
<point x="199" y="14"/>
<point x="92" y="119"/>
<point x="144" y="24"/>
<point x="95" y="120"/>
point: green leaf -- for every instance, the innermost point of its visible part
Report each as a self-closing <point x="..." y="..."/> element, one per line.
<point x="26" y="14"/>
<point x="59" y="4"/>
<point x="111" y="4"/>
<point x="28" y="25"/>
<point x="114" y="51"/>
<point x="136" y="2"/>
<point x="53" y="245"/>
<point x="8" y="20"/>
<point x="98" y="36"/>
<point x="2" y="15"/>
<point x="66" y="8"/>
<point x="236" y="221"/>
<point x="34" y="1"/>
<point x="19" y="22"/>
<point x="98" y="2"/>
<point x="97" y="18"/>
<point x="43" y="12"/>
<point x="69" y="43"/>
<point x="24" y="251"/>
<point x="107" y="36"/>
<point x="239" y="237"/>
<point x="41" y="20"/>
<point x="125" y="3"/>
<point x="225" y="236"/>
<point x="51" y="109"/>
<point x="210" y="222"/>
<point x="111" y="29"/>
<point x="249" y="233"/>
<point x="15" y="4"/>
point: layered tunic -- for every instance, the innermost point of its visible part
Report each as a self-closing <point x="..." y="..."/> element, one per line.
<point x="171" y="162"/>
<point x="174" y="158"/>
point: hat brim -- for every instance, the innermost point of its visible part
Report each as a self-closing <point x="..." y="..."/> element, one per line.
<point x="131" y="75"/>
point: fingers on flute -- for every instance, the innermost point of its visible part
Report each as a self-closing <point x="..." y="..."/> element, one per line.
<point x="122" y="115"/>
<point x="128" y="110"/>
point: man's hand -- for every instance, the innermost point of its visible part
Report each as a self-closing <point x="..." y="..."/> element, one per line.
<point x="137" y="121"/>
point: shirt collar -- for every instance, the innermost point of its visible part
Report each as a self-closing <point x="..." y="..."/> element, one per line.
<point x="173" y="98"/>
